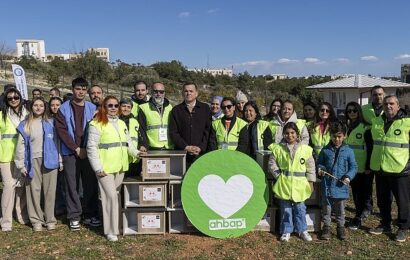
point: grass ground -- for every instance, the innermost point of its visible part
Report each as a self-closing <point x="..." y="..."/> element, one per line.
<point x="22" y="242"/>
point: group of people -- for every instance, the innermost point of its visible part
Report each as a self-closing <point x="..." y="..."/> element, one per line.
<point x="93" y="145"/>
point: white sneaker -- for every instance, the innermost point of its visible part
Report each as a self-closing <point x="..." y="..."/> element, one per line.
<point x="285" y="237"/>
<point x="305" y="236"/>
<point x="112" y="238"/>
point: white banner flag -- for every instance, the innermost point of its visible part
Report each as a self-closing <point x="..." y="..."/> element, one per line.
<point x="20" y="79"/>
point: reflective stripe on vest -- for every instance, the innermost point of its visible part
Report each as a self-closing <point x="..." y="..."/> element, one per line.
<point x="290" y="185"/>
<point x="9" y="136"/>
<point x="384" y="143"/>
<point x="151" y="127"/>
<point x="391" y="149"/>
<point x="112" y="145"/>
<point x="295" y="174"/>
<point x="358" y="147"/>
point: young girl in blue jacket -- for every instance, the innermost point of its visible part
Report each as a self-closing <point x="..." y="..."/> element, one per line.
<point x="337" y="166"/>
<point x="38" y="159"/>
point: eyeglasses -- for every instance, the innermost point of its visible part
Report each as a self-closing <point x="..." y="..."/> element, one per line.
<point x="112" y="105"/>
<point x="351" y="111"/>
<point x="227" y="106"/>
<point x="324" y="110"/>
<point x="11" y="98"/>
<point x="159" y="91"/>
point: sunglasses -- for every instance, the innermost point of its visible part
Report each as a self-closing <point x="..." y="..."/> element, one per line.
<point x="324" y="110"/>
<point x="351" y="111"/>
<point x="159" y="91"/>
<point x="11" y="98"/>
<point x="227" y="106"/>
<point x="112" y="105"/>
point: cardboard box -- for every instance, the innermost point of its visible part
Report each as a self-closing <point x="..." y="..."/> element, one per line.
<point x="143" y="221"/>
<point x="315" y="198"/>
<point x="145" y="194"/>
<point x="163" y="164"/>
<point x="268" y="221"/>
<point x="174" y="188"/>
<point x="313" y="219"/>
<point x="178" y="222"/>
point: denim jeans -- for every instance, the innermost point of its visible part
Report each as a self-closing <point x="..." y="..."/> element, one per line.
<point x="292" y="216"/>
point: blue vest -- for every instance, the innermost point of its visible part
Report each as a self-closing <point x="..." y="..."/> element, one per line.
<point x="50" y="153"/>
<point x="67" y="111"/>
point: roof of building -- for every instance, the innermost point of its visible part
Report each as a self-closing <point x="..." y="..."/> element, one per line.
<point x="359" y="81"/>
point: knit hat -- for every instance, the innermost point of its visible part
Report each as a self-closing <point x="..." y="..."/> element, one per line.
<point x="240" y="96"/>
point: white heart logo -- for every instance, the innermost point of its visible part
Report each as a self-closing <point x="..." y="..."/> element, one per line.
<point x="225" y="199"/>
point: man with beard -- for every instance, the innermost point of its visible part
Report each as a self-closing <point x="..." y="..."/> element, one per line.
<point x="153" y="118"/>
<point x="96" y="94"/>
<point x="140" y="96"/>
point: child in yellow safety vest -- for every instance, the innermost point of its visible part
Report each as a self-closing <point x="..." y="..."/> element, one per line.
<point x="293" y="167"/>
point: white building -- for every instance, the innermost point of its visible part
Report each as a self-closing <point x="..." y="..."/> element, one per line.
<point x="34" y="48"/>
<point x="214" y="72"/>
<point x="102" y="53"/>
<point x="355" y="88"/>
<point x="279" y="76"/>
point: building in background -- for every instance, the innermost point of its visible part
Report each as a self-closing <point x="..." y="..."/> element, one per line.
<point x="30" y="47"/>
<point x="405" y="73"/>
<point x="102" y="53"/>
<point x="278" y="76"/>
<point x="215" y="72"/>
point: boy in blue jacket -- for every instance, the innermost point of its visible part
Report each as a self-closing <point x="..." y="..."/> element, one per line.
<point x="337" y="165"/>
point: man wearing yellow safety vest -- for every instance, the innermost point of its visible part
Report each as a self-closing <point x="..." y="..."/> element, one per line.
<point x="230" y="132"/>
<point x="390" y="161"/>
<point x="375" y="108"/>
<point x="139" y="97"/>
<point x="153" y="118"/>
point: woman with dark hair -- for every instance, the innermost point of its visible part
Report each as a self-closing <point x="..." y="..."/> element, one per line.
<point x="286" y="115"/>
<point x="108" y="147"/>
<point x="229" y="132"/>
<point x="319" y="131"/>
<point x="274" y="109"/>
<point x="38" y="159"/>
<point x="309" y="113"/>
<point x="360" y="140"/>
<point x="54" y="104"/>
<point x="260" y="135"/>
<point x="12" y="113"/>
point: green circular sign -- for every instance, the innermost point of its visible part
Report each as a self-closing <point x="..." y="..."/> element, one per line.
<point x="224" y="194"/>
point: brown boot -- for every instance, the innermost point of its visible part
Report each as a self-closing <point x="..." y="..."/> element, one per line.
<point x="325" y="234"/>
<point x="341" y="233"/>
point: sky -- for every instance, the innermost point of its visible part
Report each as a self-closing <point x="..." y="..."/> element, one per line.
<point x="293" y="37"/>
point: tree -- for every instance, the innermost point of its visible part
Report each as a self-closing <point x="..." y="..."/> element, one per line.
<point x="89" y="66"/>
<point x="5" y="53"/>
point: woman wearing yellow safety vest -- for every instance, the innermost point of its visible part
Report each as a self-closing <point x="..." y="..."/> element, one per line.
<point x="309" y="113"/>
<point x="293" y="167"/>
<point x="319" y="131"/>
<point x="12" y="113"/>
<point x="286" y="115"/>
<point x="359" y="139"/>
<point x="126" y="106"/>
<point x="229" y="132"/>
<point x="108" y="147"/>
<point x="260" y="135"/>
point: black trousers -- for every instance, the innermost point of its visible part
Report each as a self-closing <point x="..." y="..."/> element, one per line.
<point x="362" y="190"/>
<point x="399" y="187"/>
<point x="88" y="206"/>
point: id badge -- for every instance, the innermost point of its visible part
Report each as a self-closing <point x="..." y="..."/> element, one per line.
<point x="163" y="134"/>
<point x="224" y="146"/>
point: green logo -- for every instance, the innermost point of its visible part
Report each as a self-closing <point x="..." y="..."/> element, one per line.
<point x="225" y="194"/>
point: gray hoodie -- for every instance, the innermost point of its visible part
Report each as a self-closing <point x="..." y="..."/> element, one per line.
<point x="304" y="134"/>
